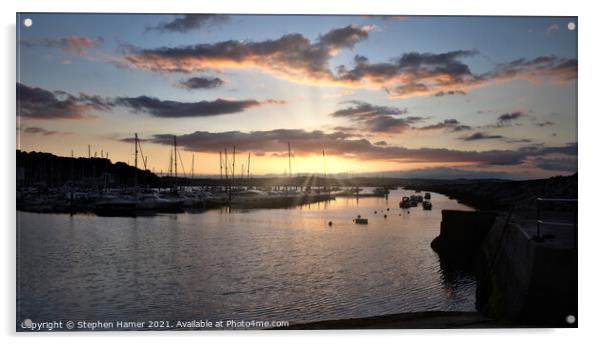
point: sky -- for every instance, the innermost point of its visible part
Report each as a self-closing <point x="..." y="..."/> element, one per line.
<point x="389" y="95"/>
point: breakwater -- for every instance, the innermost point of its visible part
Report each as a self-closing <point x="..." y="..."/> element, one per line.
<point x="504" y="195"/>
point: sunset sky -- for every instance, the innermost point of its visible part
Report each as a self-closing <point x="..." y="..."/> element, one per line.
<point x="491" y="95"/>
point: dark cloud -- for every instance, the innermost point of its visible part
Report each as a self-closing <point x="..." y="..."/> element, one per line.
<point x="345" y="37"/>
<point x="34" y="102"/>
<point x="362" y="110"/>
<point x="343" y="144"/>
<point x="184" y="23"/>
<point x="545" y="123"/>
<point x="565" y="164"/>
<point x="507" y="118"/>
<point x="561" y="69"/>
<point x="73" y="44"/>
<point x="174" y="109"/>
<point x="448" y="124"/>
<point x="381" y="143"/>
<point x="291" y="56"/>
<point x="41" y="131"/>
<point x="38" y="103"/>
<point x="413" y="73"/>
<point x="450" y="93"/>
<point x="481" y="136"/>
<point x="390" y="124"/>
<point x="517" y="141"/>
<point x="570" y="149"/>
<point x="377" y="119"/>
<point x="201" y="83"/>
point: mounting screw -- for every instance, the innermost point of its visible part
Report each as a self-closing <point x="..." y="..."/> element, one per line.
<point x="571" y="26"/>
<point x="570" y="319"/>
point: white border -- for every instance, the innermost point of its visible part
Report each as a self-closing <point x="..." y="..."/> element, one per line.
<point x="590" y="124"/>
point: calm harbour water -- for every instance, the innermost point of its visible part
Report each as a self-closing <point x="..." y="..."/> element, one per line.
<point x="278" y="264"/>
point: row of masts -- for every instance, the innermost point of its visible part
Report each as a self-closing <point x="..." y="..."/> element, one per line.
<point x="227" y="164"/>
<point x="227" y="169"/>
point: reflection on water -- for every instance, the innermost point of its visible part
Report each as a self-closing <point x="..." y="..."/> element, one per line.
<point x="284" y="264"/>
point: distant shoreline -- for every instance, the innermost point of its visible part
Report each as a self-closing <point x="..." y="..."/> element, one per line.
<point x="504" y="195"/>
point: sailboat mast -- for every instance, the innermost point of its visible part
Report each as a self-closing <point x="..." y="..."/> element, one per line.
<point x="135" y="159"/>
<point x="192" y="169"/>
<point x="106" y="171"/>
<point x="136" y="150"/>
<point x="226" y="163"/>
<point x="248" y="164"/>
<point x="233" y="162"/>
<point x="324" y="162"/>
<point x="175" y="156"/>
<point x="220" y="166"/>
<point x="170" y="163"/>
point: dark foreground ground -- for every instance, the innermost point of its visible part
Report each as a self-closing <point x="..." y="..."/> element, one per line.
<point x="420" y="320"/>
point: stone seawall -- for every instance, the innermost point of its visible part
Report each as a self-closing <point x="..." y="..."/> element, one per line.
<point x="523" y="281"/>
<point x="519" y="280"/>
<point x="461" y="235"/>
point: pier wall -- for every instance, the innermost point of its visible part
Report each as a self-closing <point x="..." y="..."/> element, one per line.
<point x="461" y="235"/>
<point x="523" y="281"/>
<point x="519" y="280"/>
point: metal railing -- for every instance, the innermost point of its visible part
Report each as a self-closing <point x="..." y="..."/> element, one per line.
<point x="541" y="222"/>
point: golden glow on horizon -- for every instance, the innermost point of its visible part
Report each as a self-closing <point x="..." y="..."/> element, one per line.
<point x="208" y="163"/>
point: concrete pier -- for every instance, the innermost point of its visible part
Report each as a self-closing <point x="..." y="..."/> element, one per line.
<point x="526" y="281"/>
<point x="462" y="233"/>
<point x="520" y="280"/>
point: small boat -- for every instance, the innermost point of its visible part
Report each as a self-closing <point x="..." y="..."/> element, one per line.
<point x="416" y="197"/>
<point x="360" y="220"/>
<point x="427" y="196"/>
<point x="352" y="191"/>
<point x="153" y="202"/>
<point x="405" y="202"/>
<point x="426" y="205"/>
<point x="115" y="205"/>
<point x="380" y="191"/>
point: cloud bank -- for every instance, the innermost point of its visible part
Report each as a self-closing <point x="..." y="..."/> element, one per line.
<point x="377" y="119"/>
<point x="35" y="102"/>
<point x="72" y="44"/>
<point x="343" y="144"/>
<point x="297" y="58"/>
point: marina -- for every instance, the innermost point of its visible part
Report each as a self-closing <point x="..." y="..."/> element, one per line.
<point x="275" y="264"/>
<point x="302" y="171"/>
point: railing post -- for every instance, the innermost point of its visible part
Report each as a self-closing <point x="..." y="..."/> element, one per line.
<point x="575" y="227"/>
<point x="538" y="219"/>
